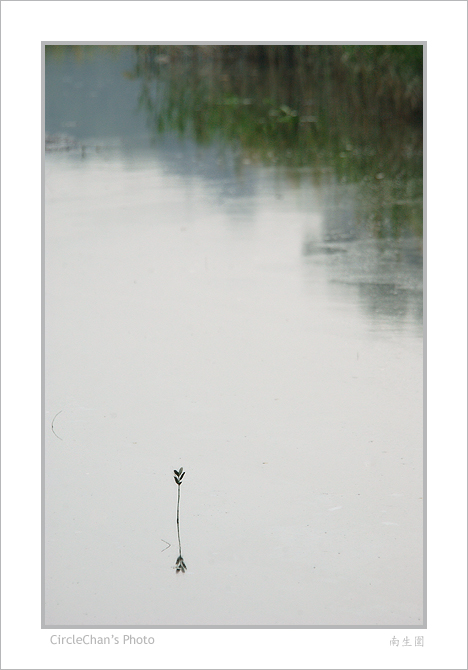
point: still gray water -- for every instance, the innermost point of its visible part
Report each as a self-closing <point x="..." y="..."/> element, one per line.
<point x="250" y="313"/>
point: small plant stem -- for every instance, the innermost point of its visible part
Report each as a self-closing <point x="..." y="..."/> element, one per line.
<point x="178" y="529"/>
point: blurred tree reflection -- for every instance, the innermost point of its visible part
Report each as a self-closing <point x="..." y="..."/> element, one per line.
<point x="351" y="113"/>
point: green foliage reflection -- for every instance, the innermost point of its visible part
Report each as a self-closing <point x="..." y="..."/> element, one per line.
<point x="353" y="112"/>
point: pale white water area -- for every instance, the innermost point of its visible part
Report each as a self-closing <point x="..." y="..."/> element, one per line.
<point x="235" y="323"/>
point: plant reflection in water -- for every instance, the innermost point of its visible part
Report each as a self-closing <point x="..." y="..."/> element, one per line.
<point x="350" y="115"/>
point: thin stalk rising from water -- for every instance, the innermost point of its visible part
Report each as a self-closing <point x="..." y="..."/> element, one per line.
<point x="178" y="528"/>
<point x="178" y="476"/>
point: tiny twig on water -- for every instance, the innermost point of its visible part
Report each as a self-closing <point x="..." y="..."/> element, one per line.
<point x="178" y="476"/>
<point x="52" y="425"/>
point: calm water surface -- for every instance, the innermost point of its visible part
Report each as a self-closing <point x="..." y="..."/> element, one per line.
<point x="256" y="322"/>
